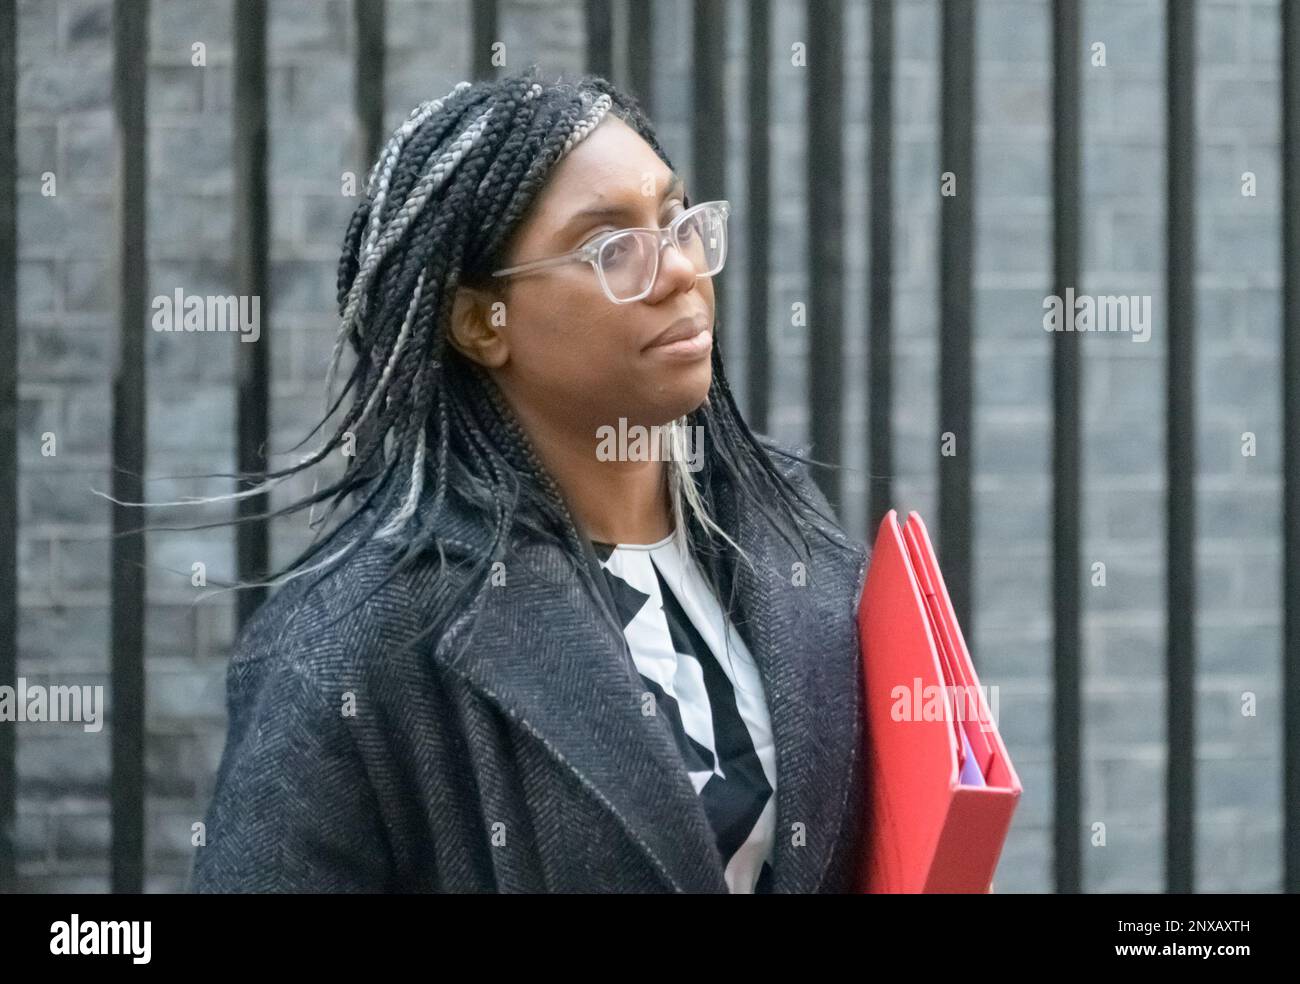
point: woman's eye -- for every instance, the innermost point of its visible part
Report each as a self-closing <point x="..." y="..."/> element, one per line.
<point x="614" y="252"/>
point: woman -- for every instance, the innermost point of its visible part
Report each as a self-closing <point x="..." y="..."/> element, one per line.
<point x="545" y="691"/>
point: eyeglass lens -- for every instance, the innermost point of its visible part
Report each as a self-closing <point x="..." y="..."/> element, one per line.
<point x="628" y="259"/>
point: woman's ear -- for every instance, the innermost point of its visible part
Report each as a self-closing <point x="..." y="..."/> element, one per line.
<point x="477" y="329"/>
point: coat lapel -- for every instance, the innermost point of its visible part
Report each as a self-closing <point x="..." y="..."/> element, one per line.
<point x="539" y="648"/>
<point x="545" y="656"/>
<point x="802" y="637"/>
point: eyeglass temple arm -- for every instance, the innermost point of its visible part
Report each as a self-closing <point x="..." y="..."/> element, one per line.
<point x="548" y="262"/>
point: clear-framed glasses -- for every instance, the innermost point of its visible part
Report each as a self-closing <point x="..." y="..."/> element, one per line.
<point x="626" y="261"/>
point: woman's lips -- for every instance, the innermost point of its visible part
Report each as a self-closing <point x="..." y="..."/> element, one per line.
<point x="685" y="348"/>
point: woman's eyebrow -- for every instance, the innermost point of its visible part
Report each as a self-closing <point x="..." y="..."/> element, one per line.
<point x="612" y="211"/>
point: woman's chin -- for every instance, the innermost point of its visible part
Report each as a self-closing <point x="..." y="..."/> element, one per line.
<point x="683" y="390"/>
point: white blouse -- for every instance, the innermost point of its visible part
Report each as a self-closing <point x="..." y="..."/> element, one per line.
<point x="678" y="635"/>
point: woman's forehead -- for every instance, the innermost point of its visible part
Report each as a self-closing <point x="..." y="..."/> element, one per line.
<point x="610" y="165"/>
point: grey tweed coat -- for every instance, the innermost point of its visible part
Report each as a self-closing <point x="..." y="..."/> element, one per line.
<point x="510" y="752"/>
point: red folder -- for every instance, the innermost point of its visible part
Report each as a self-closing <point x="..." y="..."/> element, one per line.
<point x="938" y="807"/>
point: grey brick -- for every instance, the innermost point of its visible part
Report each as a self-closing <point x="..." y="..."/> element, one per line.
<point x="1124" y="651"/>
<point x="1013" y="31"/>
<point x="1229" y="647"/>
<point x="87" y="421"/>
<point x="916" y="29"/>
<point x="1025" y="862"/>
<point x="1133" y="31"/>
<point x="82" y="565"/>
<point x="38" y="288"/>
<point x="1251" y="783"/>
<point x="1263" y="34"/>
<point x="67" y="763"/>
<point x="1239" y="104"/>
<point x="43" y="222"/>
<point x="298" y="285"/>
<point x="1131" y="860"/>
<point x="1130" y="787"/>
<point x="58" y="85"/>
<point x="171" y="627"/>
<point x="1022" y="101"/>
<point x="195" y="157"/>
<point x="38" y="28"/>
<point x="1022" y="715"/>
<point x="1239" y="513"/>
<point x="1123" y="717"/>
<point x="1260" y="853"/>
<point x="183" y="691"/>
<point x="78" y="836"/>
<point x="32" y="835"/>
<point x="176" y="89"/>
<point x="1218" y="855"/>
<point x="37" y="149"/>
<point x="1011" y="447"/>
<point x="177" y="24"/>
<point x="63" y="637"/>
<point x="169" y="765"/>
<point x="1219" y="717"/>
<point x="1137" y="103"/>
<point x="1017" y="170"/>
<point x="55" y="493"/>
<point x="90" y="286"/>
<point x="307" y="24"/>
<point x="170" y="830"/>
<point x="318" y="85"/>
<point x="1218" y="36"/>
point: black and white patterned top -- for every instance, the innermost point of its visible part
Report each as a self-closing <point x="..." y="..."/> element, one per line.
<point x="715" y="706"/>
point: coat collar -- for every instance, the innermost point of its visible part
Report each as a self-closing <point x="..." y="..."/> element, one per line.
<point x="540" y="649"/>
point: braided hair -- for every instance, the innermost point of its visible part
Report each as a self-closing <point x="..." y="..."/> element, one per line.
<point x="441" y="202"/>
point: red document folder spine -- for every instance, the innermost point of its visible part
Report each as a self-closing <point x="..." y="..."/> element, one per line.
<point x="926" y="832"/>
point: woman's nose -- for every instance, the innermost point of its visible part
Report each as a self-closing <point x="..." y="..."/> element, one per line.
<point x="676" y="268"/>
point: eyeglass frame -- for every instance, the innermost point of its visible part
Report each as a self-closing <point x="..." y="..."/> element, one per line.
<point x="590" y="252"/>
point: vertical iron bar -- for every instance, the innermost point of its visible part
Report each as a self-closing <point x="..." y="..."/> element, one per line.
<point x="1291" y="450"/>
<point x="1180" y="854"/>
<point x="825" y="182"/>
<point x="8" y="425"/>
<point x="127" y="550"/>
<point x="758" y="216"/>
<point x="880" y="352"/>
<point x="600" y="38"/>
<point x="1066" y="500"/>
<point x="252" y="361"/>
<point x="484" y="33"/>
<point x="368" y="74"/>
<point x="956" y="239"/>
<point x="709" y="118"/>
<point x="640" y="54"/>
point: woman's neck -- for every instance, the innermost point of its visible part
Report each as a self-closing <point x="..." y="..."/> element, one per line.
<point x="612" y="501"/>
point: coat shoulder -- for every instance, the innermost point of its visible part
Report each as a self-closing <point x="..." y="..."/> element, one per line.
<point x="361" y="608"/>
<point x="300" y="798"/>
